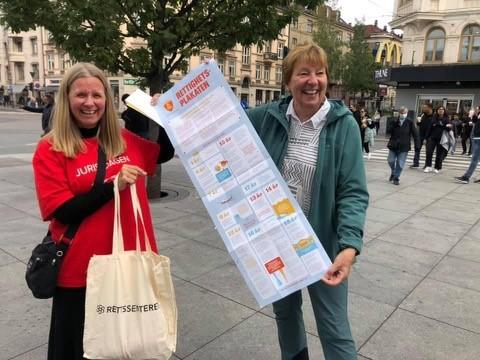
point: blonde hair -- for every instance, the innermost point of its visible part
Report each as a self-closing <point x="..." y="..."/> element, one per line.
<point x="65" y="135"/>
<point x="309" y="53"/>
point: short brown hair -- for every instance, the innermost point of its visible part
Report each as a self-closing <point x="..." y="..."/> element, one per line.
<point x="309" y="53"/>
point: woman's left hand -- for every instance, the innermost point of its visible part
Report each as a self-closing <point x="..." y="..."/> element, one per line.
<point x="128" y="175"/>
<point x="154" y="100"/>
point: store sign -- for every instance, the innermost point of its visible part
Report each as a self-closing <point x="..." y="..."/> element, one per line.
<point x="382" y="75"/>
<point x="130" y="81"/>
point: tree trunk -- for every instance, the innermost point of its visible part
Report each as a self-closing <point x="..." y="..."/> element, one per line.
<point x="154" y="183"/>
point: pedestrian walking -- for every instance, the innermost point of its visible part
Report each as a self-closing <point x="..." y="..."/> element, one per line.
<point x="467" y="131"/>
<point x="46" y="111"/>
<point x="465" y="178"/>
<point x="367" y="132"/>
<point x="376" y="120"/>
<point x="440" y="124"/>
<point x="424" y="123"/>
<point x="399" y="144"/>
<point x="65" y="165"/>
<point x="316" y="144"/>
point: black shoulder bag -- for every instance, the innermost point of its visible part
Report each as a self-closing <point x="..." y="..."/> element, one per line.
<point x="46" y="258"/>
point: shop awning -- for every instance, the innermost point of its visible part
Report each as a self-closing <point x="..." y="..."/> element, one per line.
<point x="446" y="73"/>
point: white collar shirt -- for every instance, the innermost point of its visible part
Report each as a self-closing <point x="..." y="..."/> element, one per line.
<point x="317" y="120"/>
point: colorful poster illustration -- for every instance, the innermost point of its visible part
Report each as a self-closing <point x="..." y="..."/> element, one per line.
<point x="259" y="220"/>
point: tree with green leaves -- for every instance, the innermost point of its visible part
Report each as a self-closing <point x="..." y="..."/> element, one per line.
<point x="172" y="31"/>
<point x="330" y="39"/>
<point x="359" y="64"/>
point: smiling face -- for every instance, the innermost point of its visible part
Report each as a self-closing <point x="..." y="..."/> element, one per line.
<point x="308" y="85"/>
<point x="87" y="101"/>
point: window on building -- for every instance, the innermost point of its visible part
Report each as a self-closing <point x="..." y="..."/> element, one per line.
<point x="166" y="60"/>
<point x="295" y="23"/>
<point x="278" y="74"/>
<point x="50" y="61"/>
<point x="231" y="67"/>
<point x="280" y="47"/>
<point x="35" y="72"/>
<point x="294" y="42"/>
<point x="17" y="44"/>
<point x="246" y="55"/>
<point x="246" y="82"/>
<point x="19" y="71"/>
<point x="434" y="45"/>
<point x="309" y="26"/>
<point x="62" y="61"/>
<point x="470" y="44"/>
<point x="221" y="64"/>
<point x="115" y="86"/>
<point x="268" y="46"/>
<point x="34" y="43"/>
<point x="266" y="72"/>
<point x="258" y="72"/>
<point x="258" y="97"/>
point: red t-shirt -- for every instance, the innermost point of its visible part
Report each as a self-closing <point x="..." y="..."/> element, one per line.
<point x="58" y="179"/>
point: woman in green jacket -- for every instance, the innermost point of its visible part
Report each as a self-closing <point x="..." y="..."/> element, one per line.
<point x="315" y="142"/>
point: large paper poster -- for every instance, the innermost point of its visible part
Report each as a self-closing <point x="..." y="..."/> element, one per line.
<point x="262" y="225"/>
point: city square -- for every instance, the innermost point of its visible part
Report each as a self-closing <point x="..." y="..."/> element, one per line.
<point x="301" y="180"/>
<point x="414" y="291"/>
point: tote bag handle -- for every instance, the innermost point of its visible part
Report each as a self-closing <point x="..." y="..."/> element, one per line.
<point x="137" y="211"/>
<point x="118" y="244"/>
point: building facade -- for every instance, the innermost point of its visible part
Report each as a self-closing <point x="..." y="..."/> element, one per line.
<point x="21" y="64"/>
<point x="253" y="72"/>
<point x="386" y="48"/>
<point x="441" y="53"/>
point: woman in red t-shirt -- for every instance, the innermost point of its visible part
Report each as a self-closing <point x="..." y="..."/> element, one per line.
<point x="65" y="166"/>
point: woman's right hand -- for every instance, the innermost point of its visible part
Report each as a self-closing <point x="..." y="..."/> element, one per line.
<point x="129" y="175"/>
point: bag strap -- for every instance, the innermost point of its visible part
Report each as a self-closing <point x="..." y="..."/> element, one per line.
<point x="100" y="176"/>
<point x="117" y="241"/>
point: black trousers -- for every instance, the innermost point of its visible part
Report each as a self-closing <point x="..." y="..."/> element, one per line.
<point x="66" y="327"/>
<point x="441" y="153"/>
<point x="366" y="146"/>
<point x="464" y="145"/>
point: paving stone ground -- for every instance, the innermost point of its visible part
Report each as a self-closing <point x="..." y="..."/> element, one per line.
<point x="414" y="291"/>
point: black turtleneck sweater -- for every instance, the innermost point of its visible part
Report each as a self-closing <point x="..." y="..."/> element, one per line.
<point x="82" y="205"/>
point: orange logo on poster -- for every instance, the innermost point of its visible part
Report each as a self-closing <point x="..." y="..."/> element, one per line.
<point x="168" y="105"/>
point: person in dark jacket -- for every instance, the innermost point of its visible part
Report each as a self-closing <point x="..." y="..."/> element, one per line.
<point x="399" y="144"/>
<point x="467" y="131"/>
<point x="475" y="122"/>
<point x="135" y="121"/>
<point x="46" y="111"/>
<point x="440" y="123"/>
<point x="423" y="124"/>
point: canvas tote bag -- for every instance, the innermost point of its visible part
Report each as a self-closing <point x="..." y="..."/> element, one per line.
<point x="130" y="310"/>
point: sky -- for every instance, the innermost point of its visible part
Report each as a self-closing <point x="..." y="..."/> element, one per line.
<point x="367" y="11"/>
